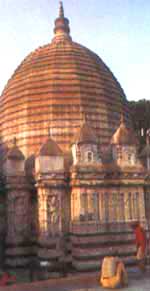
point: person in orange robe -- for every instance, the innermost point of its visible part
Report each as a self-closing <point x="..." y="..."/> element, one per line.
<point x="118" y="279"/>
<point x="140" y="240"/>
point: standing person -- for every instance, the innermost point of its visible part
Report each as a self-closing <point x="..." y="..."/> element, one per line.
<point x="113" y="273"/>
<point x="140" y="239"/>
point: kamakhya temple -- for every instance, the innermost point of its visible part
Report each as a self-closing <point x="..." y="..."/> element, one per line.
<point x="72" y="177"/>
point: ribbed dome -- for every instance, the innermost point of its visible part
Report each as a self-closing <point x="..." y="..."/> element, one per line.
<point x="56" y="86"/>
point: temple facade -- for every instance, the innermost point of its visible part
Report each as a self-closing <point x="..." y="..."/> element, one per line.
<point x="72" y="177"/>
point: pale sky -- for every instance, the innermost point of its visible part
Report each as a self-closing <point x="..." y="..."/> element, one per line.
<point x="117" y="30"/>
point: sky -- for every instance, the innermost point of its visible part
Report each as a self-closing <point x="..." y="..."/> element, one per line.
<point x="117" y="30"/>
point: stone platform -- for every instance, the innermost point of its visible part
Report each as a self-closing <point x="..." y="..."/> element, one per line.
<point x="82" y="282"/>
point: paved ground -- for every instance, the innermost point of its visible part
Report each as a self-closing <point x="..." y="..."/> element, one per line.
<point x="84" y="282"/>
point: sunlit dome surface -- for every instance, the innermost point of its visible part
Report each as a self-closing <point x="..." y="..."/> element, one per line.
<point x="55" y="87"/>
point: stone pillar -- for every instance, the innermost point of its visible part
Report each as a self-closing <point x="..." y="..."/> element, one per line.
<point x="50" y="183"/>
<point x="17" y="204"/>
<point x="148" y="163"/>
<point x="142" y="208"/>
<point x="18" y="248"/>
<point x="51" y="193"/>
<point x="2" y="223"/>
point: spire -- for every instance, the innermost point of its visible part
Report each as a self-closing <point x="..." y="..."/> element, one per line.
<point x="61" y="10"/>
<point x="49" y="132"/>
<point x="14" y="142"/>
<point x="85" y="119"/>
<point x="122" y="121"/>
<point x="61" y="29"/>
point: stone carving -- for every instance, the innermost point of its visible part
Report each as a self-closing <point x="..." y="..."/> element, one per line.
<point x="53" y="214"/>
<point x="53" y="209"/>
<point x="17" y="219"/>
<point x="21" y="214"/>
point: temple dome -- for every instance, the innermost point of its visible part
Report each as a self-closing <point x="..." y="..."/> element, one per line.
<point x="56" y="86"/>
<point x="85" y="135"/>
<point x="124" y="135"/>
<point x="14" y="153"/>
<point x="50" y="148"/>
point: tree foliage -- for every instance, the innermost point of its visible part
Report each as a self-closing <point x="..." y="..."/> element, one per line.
<point x="140" y="114"/>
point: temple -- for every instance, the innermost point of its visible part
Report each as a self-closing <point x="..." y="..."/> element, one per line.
<point x="72" y="179"/>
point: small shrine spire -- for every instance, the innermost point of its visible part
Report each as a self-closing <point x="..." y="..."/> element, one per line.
<point x="61" y="10"/>
<point x="85" y="119"/>
<point x="122" y="121"/>
<point x="14" y="142"/>
<point x="49" y="132"/>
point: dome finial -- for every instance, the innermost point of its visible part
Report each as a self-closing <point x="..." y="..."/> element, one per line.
<point x="61" y="10"/>
<point x="61" y="28"/>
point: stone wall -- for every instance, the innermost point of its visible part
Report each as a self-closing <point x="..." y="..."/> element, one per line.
<point x="3" y="228"/>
